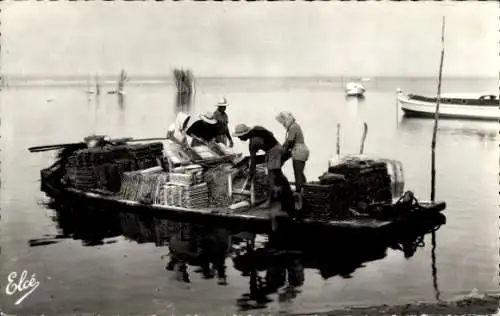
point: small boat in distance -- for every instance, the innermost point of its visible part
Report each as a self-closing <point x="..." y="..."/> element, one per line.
<point x="476" y="106"/>
<point x="354" y="89"/>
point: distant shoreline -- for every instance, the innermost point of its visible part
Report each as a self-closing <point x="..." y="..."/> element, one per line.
<point x="91" y="80"/>
<point x="479" y="305"/>
<point x="133" y="77"/>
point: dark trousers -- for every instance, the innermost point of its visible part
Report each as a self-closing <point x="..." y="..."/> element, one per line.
<point x="298" y="170"/>
<point x="277" y="178"/>
<point x="300" y="178"/>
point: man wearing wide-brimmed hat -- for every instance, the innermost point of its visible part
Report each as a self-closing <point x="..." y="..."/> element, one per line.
<point x="262" y="139"/>
<point x="222" y="121"/>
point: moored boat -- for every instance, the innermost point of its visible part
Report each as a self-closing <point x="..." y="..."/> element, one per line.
<point x="64" y="183"/>
<point x="478" y="106"/>
<point x="355" y="89"/>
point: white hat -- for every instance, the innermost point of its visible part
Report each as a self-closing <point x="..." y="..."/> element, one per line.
<point x="208" y="117"/>
<point x="222" y="102"/>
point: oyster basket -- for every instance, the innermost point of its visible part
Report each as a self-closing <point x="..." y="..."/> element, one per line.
<point x="325" y="202"/>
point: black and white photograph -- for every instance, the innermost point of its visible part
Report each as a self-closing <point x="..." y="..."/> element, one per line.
<point x="249" y="158"/>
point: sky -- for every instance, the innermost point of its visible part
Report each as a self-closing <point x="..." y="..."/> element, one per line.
<point x="238" y="39"/>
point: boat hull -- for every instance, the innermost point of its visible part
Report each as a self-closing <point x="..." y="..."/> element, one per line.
<point x="355" y="92"/>
<point x="255" y="220"/>
<point x="416" y="108"/>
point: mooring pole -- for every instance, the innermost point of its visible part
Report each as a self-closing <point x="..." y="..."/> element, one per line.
<point x="338" y="139"/>
<point x="433" y="163"/>
<point x="397" y="107"/>
<point x="436" y="118"/>
<point x="363" y="138"/>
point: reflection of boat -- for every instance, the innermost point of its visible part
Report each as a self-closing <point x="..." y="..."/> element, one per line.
<point x="460" y="106"/>
<point x="481" y="129"/>
<point x="355" y="101"/>
<point x="279" y="265"/>
<point x="196" y="245"/>
<point x="354" y="89"/>
<point x="282" y="257"/>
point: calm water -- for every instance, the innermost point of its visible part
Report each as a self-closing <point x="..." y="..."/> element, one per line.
<point x="124" y="274"/>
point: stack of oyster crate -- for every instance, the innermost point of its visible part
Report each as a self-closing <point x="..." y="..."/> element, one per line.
<point x="102" y="168"/>
<point x="185" y="188"/>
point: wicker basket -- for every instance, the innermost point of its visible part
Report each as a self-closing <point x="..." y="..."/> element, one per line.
<point x="367" y="181"/>
<point x="325" y="201"/>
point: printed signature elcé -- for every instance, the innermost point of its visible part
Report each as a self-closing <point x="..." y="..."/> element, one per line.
<point x="21" y="285"/>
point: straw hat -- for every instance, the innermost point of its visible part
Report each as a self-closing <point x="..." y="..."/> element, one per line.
<point x="208" y="117"/>
<point x="222" y="102"/>
<point x="241" y="130"/>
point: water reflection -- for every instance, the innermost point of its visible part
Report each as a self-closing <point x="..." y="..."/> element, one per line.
<point x="203" y="247"/>
<point x="199" y="246"/>
<point x="121" y="113"/>
<point x="354" y="104"/>
<point x="278" y="267"/>
<point x="121" y="102"/>
<point x="437" y="293"/>
<point x="88" y="226"/>
<point x="484" y="131"/>
<point x="274" y="266"/>
<point x="359" y="99"/>
<point x="183" y="102"/>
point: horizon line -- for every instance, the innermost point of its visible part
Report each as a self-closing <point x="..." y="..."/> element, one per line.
<point x="169" y="76"/>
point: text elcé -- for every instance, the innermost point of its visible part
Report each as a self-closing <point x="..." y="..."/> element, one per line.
<point x="21" y="285"/>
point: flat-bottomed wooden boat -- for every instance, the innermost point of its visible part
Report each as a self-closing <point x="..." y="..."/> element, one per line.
<point x="253" y="219"/>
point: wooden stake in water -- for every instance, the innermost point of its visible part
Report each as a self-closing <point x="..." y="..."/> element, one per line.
<point x="433" y="164"/>
<point x="338" y="139"/>
<point x="436" y="118"/>
<point x="397" y="107"/>
<point x="363" y="138"/>
<point x="97" y="86"/>
<point x="121" y="82"/>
